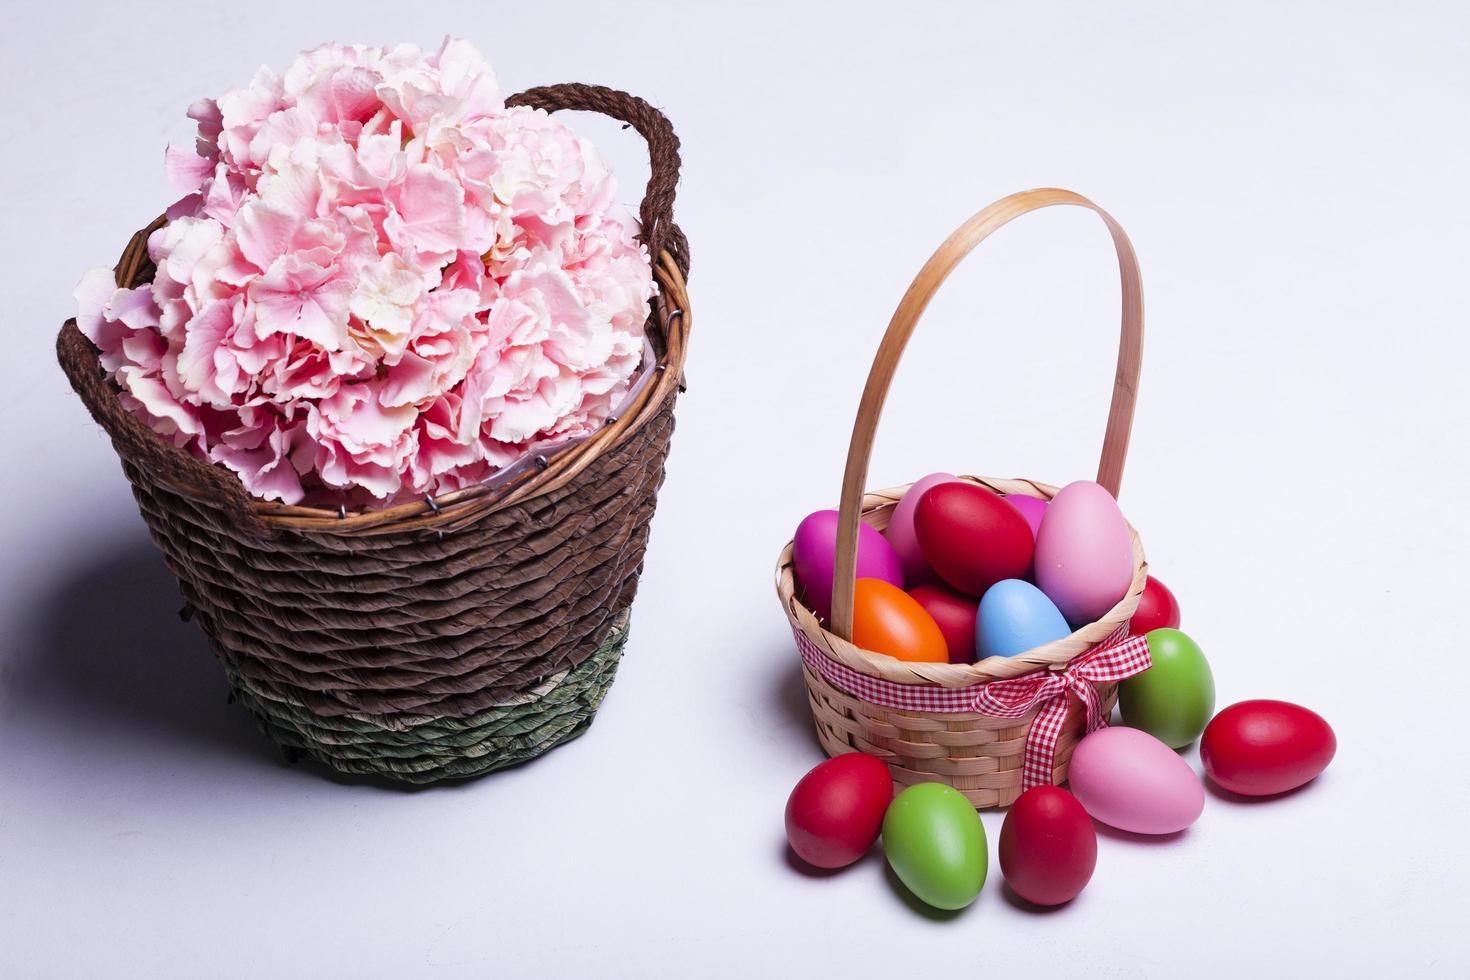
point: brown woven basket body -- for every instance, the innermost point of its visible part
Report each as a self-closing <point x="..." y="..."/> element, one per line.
<point x="444" y="637"/>
<point x="980" y="755"/>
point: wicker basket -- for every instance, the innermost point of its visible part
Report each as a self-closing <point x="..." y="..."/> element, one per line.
<point x="978" y="754"/>
<point x="440" y="638"/>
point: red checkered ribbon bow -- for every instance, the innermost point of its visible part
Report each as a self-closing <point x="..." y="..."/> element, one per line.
<point x="1113" y="659"/>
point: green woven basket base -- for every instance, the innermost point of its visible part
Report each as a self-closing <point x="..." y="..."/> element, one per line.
<point x="423" y="749"/>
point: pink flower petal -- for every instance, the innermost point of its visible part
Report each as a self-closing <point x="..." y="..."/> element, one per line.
<point x="265" y="232"/>
<point x="431" y="206"/>
<point x="159" y="402"/>
<point x="298" y="297"/>
<point x="186" y="169"/>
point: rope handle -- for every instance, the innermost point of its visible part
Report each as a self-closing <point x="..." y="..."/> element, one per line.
<point x="656" y="214"/>
<point x="901" y="328"/>
<point x="141" y="446"/>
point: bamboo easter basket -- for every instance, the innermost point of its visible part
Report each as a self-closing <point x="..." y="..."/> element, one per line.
<point x="444" y="637"/>
<point x="978" y="754"/>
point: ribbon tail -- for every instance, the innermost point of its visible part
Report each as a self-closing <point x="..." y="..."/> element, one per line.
<point x="1088" y="695"/>
<point x="1041" y="745"/>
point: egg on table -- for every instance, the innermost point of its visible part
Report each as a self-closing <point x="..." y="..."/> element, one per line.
<point x="1130" y="780"/>
<point x="1084" y="555"/>
<point x="1174" y="698"/>
<point x="1015" y="616"/>
<point x="814" y="555"/>
<point x="935" y="843"/>
<point x="835" y="813"/>
<point x="1263" y="747"/>
<point x="1048" y="847"/>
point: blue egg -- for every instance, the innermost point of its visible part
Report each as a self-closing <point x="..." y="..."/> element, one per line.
<point x="1016" y="616"/>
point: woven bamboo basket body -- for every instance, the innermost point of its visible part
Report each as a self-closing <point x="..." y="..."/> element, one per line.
<point x="980" y="755"/>
<point x="439" y="638"/>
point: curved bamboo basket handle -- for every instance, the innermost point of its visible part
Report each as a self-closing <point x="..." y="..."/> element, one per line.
<point x="901" y="327"/>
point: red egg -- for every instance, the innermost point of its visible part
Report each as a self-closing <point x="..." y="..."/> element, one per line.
<point x="1157" y="608"/>
<point x="955" y="615"/>
<point x="1048" y="847"/>
<point x="971" y="537"/>
<point x="1260" y="748"/>
<point x="836" y="812"/>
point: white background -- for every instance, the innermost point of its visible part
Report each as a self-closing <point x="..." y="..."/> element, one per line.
<point x="1293" y="178"/>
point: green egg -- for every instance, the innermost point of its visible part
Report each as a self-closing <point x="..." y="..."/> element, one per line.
<point x="1174" y="699"/>
<point x="936" y="845"/>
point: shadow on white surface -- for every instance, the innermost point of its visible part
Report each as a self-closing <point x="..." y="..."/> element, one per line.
<point x="795" y="863"/>
<point x="789" y="695"/>
<point x="111" y="664"/>
<point x="1031" y="908"/>
<point x="1236" y="799"/>
<point x="919" y="908"/>
<point x="1129" y="837"/>
<point x="112" y="669"/>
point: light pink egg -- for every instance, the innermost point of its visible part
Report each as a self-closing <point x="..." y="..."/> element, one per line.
<point x="900" y="532"/>
<point x="1130" y="780"/>
<point x="1084" y="560"/>
<point x="1031" y="508"/>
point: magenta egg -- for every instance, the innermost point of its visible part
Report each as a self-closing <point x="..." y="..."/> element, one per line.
<point x="905" y="540"/>
<point x="1031" y="508"/>
<point x="814" y="553"/>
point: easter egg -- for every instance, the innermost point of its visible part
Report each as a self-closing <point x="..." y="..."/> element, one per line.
<point x="1048" y="847"/>
<point x="1174" y="698"/>
<point x="1031" y="508"/>
<point x="1084" y="557"/>
<point x="900" y="531"/>
<point x="836" y="812"/>
<point x="886" y="619"/>
<point x="1015" y="616"/>
<point x="935" y="843"/>
<point x="1130" y="780"/>
<point x="955" y="616"/>
<point x="971" y="537"/>
<point x="814" y="554"/>
<point x="1260" y="748"/>
<point x="1157" y="608"/>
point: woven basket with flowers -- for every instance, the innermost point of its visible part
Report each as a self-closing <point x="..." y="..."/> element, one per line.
<point x="393" y="383"/>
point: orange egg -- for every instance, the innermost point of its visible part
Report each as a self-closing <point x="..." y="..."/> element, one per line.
<point x="886" y="619"/>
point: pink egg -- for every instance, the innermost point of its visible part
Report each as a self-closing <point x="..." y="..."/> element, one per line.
<point x="1031" y="508"/>
<point x="1084" y="559"/>
<point x="814" y="553"/>
<point x="901" y="535"/>
<point x="1130" y="780"/>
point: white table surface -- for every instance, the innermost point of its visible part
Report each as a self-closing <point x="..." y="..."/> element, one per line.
<point x="1292" y="177"/>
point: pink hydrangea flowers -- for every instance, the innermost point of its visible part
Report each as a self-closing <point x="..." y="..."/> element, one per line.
<point x="381" y="280"/>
